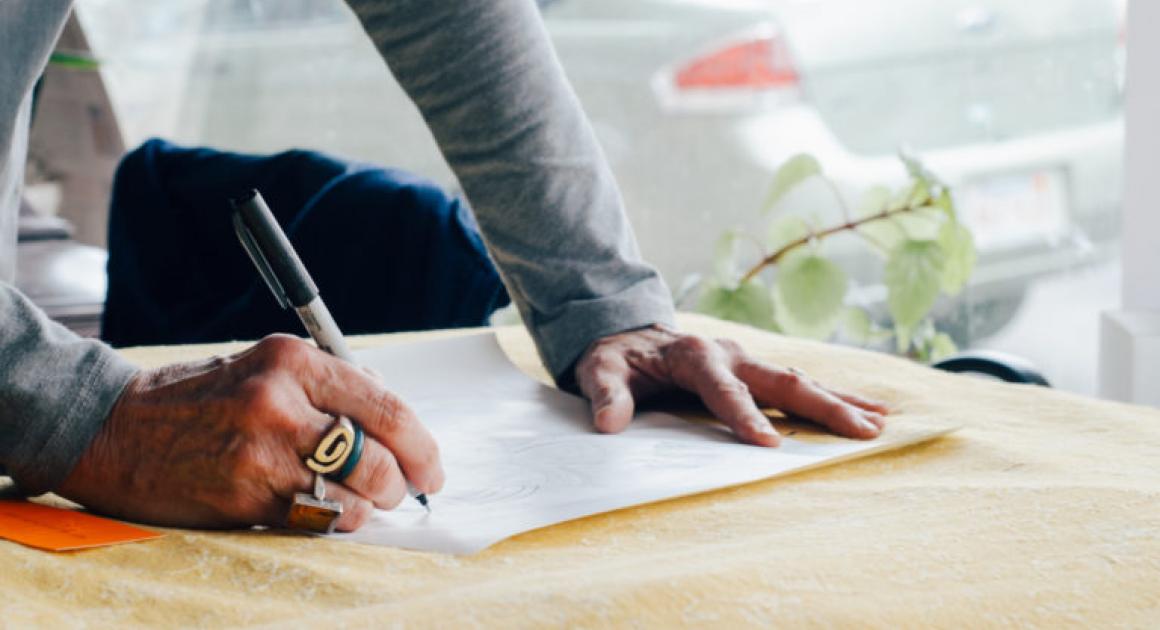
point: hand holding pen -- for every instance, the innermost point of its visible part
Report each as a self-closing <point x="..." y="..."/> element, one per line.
<point x="345" y="446"/>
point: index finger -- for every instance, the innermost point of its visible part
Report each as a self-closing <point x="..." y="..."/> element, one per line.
<point x="342" y="389"/>
<point x="726" y="396"/>
<point x="789" y="391"/>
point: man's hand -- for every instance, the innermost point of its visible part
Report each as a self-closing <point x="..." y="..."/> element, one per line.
<point x="221" y="443"/>
<point x="619" y="370"/>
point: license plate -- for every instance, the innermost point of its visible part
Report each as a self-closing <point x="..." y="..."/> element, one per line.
<point x="1015" y="209"/>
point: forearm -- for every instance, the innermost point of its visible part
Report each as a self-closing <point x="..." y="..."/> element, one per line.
<point x="56" y="390"/>
<point x="486" y="79"/>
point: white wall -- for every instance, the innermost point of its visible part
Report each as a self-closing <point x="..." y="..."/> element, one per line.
<point x="1130" y="337"/>
<point x="1141" y="278"/>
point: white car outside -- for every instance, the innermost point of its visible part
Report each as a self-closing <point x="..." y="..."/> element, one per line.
<point x="1015" y="103"/>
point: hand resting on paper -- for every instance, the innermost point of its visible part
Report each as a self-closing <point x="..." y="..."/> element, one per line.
<point x="220" y="443"/>
<point x="618" y="371"/>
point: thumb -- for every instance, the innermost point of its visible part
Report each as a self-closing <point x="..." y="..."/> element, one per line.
<point x="611" y="400"/>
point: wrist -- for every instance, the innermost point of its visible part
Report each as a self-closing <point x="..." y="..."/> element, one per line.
<point x="97" y="465"/>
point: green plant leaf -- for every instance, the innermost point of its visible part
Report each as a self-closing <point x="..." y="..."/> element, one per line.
<point x="903" y="336"/>
<point x="941" y="347"/>
<point x="917" y="170"/>
<point x="874" y="200"/>
<point x="913" y="277"/>
<point x="74" y="61"/>
<point x="959" y="249"/>
<point x="919" y="194"/>
<point x="945" y="202"/>
<point x="856" y="324"/>
<point x="921" y="224"/>
<point x="884" y="232"/>
<point x="785" y="230"/>
<point x="788" y="324"/>
<point x="749" y="303"/>
<point x="725" y="259"/>
<point x="812" y="288"/>
<point x="794" y="171"/>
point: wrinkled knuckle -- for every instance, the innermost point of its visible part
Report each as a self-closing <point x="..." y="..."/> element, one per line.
<point x="293" y="351"/>
<point x="388" y="410"/>
<point x="792" y="380"/>
<point x="259" y="397"/>
<point x="604" y="392"/>
<point x="746" y="363"/>
<point x="605" y="360"/>
<point x="275" y="343"/>
<point x="731" y="346"/>
<point x="285" y="352"/>
<point x="598" y="359"/>
<point x="732" y="388"/>
<point x="839" y="409"/>
<point x="691" y="345"/>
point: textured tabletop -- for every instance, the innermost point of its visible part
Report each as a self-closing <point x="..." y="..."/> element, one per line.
<point x="1044" y="509"/>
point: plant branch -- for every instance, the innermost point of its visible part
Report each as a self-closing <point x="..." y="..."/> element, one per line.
<point x="773" y="258"/>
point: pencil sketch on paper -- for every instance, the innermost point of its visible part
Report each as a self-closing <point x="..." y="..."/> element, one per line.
<point x="519" y="455"/>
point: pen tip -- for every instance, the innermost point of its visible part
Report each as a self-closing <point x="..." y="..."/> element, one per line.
<point x="422" y="499"/>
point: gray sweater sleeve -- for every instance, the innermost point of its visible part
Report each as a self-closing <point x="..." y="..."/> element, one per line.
<point x="486" y="79"/>
<point x="57" y="389"/>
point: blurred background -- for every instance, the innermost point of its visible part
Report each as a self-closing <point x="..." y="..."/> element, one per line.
<point x="1016" y="104"/>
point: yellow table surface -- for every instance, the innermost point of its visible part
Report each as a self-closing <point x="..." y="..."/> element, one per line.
<point x="1043" y="510"/>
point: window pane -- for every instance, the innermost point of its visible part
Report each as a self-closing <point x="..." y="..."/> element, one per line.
<point x="1016" y="104"/>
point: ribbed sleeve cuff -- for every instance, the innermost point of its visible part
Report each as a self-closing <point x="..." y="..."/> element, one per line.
<point x="50" y="455"/>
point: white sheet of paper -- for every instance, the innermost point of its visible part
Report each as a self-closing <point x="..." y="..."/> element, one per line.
<point x="519" y="455"/>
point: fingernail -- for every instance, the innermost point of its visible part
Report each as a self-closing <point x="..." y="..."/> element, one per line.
<point x="867" y="425"/>
<point x="769" y="432"/>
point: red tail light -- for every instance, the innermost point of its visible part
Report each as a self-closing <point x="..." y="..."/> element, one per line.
<point x="749" y="71"/>
<point x="761" y="63"/>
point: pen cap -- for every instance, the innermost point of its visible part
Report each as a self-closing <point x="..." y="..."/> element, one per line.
<point x="270" y="248"/>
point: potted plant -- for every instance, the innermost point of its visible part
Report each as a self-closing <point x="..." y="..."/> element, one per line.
<point x="787" y="282"/>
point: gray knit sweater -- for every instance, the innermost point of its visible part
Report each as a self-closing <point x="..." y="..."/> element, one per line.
<point x="485" y="77"/>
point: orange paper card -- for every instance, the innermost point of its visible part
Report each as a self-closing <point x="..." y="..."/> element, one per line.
<point x="54" y="529"/>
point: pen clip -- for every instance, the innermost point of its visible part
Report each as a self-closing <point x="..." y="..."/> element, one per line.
<point x="256" y="255"/>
